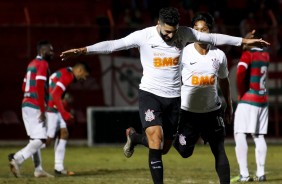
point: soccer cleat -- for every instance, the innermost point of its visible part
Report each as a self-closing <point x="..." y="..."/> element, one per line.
<point x="128" y="148"/>
<point x="245" y="179"/>
<point x="42" y="174"/>
<point x="64" y="172"/>
<point x="260" y="179"/>
<point x="14" y="167"/>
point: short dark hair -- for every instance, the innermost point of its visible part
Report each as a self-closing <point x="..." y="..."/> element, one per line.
<point x="169" y="15"/>
<point x="42" y="43"/>
<point x="204" y="16"/>
<point x="257" y="35"/>
<point x="85" y="65"/>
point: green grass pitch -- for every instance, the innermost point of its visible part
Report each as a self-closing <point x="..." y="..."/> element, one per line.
<point x="107" y="165"/>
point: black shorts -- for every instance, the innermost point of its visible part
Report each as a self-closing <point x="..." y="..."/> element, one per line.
<point x="209" y="126"/>
<point x="156" y="110"/>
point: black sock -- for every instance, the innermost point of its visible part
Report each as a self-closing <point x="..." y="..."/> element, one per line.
<point x="156" y="165"/>
<point x="221" y="162"/>
<point x="140" y="139"/>
<point x="223" y="172"/>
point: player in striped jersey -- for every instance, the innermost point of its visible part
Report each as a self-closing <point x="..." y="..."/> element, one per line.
<point x="160" y="47"/>
<point x="251" y="115"/>
<point x="57" y="115"/>
<point x="35" y="88"/>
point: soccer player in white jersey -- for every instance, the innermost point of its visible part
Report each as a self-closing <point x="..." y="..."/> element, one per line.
<point x="160" y="47"/>
<point x="204" y="66"/>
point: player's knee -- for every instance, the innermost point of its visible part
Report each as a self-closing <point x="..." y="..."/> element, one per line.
<point x="185" y="153"/>
<point x="64" y="134"/>
<point x="183" y="150"/>
<point x="165" y="151"/>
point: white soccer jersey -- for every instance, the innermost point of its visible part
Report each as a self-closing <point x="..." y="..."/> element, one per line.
<point x="199" y="77"/>
<point x="160" y="59"/>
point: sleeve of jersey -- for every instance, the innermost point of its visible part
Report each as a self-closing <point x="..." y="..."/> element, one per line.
<point x="57" y="95"/>
<point x="213" y="38"/>
<point x="41" y="77"/>
<point x="105" y="47"/>
<point x="223" y="70"/>
<point x="241" y="74"/>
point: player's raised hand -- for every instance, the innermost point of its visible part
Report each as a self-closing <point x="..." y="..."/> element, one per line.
<point x="255" y="42"/>
<point x="72" y="53"/>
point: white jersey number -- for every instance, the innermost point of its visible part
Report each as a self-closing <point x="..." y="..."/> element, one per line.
<point x="27" y="83"/>
<point x="263" y="71"/>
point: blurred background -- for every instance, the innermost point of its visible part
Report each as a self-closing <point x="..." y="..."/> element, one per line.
<point x="114" y="82"/>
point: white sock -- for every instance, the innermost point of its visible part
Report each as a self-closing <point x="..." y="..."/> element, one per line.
<point x="60" y="154"/>
<point x="32" y="147"/>
<point x="261" y="151"/>
<point x="241" y="151"/>
<point x="36" y="157"/>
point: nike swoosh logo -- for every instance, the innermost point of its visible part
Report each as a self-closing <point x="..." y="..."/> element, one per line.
<point x="155" y="162"/>
<point x="154" y="46"/>
<point x="192" y="63"/>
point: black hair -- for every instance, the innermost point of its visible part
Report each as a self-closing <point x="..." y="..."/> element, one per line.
<point x="169" y="15"/>
<point x="257" y="35"/>
<point x="85" y="65"/>
<point x="204" y="16"/>
<point x="42" y="43"/>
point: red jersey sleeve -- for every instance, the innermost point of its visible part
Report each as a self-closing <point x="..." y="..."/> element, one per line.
<point x="241" y="75"/>
<point x="41" y="77"/>
<point x="57" y="93"/>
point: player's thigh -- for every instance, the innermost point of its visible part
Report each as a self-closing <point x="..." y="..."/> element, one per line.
<point x="149" y="110"/>
<point x="212" y="126"/>
<point x="188" y="131"/>
<point x="35" y="128"/>
<point x="247" y="119"/>
<point x="62" y="122"/>
<point x="52" y="124"/>
<point x="263" y="121"/>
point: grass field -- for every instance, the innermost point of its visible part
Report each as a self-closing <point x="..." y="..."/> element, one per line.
<point x="107" y="165"/>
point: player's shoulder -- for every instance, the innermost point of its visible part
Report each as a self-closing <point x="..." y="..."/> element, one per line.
<point x="142" y="34"/>
<point x="146" y="30"/>
<point x="217" y="50"/>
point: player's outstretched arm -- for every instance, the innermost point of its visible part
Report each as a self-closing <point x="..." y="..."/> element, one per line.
<point x="255" y="42"/>
<point x="73" y="52"/>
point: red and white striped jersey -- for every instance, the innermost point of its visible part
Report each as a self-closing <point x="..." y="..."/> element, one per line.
<point x="251" y="77"/>
<point x="38" y="69"/>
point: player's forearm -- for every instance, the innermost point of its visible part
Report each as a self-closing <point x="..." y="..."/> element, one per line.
<point x="106" y="47"/>
<point x="226" y="92"/>
<point x="240" y="76"/>
<point x="56" y="95"/>
<point x="218" y="39"/>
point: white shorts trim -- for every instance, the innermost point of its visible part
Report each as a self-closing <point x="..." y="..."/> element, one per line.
<point x="251" y="119"/>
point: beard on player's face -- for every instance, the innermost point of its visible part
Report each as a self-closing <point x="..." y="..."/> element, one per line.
<point x="165" y="37"/>
<point x="167" y="32"/>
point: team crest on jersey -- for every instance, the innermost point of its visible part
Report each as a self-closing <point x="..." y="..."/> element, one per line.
<point x="182" y="140"/>
<point x="149" y="115"/>
<point x="215" y="63"/>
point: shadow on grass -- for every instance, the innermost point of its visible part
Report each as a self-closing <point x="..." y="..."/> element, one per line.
<point x="109" y="172"/>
